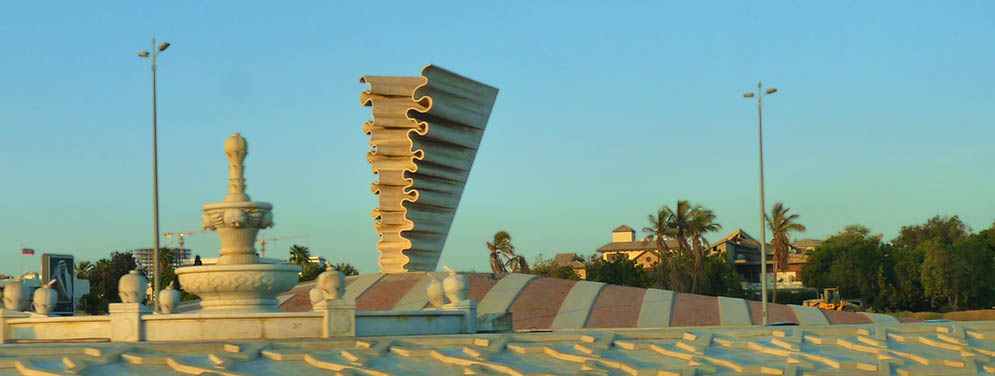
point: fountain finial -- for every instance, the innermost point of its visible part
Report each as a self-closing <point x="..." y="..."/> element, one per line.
<point x="236" y="148"/>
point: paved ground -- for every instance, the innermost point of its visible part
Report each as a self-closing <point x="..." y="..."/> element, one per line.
<point x="539" y="303"/>
<point x="871" y="349"/>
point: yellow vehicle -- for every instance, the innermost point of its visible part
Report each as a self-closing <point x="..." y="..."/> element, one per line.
<point x="830" y="299"/>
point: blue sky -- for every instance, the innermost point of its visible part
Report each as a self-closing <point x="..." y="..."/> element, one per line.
<point x="607" y="111"/>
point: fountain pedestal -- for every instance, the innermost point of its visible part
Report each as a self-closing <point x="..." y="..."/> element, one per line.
<point x="239" y="283"/>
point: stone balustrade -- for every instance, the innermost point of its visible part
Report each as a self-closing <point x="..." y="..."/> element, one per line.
<point x="133" y="322"/>
<point x="334" y="316"/>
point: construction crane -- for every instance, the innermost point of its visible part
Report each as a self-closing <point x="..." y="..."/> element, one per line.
<point x="182" y="235"/>
<point x="262" y="242"/>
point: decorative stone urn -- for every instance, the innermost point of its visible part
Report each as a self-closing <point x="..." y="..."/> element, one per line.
<point x="169" y="298"/>
<point x="131" y="287"/>
<point x="330" y="286"/>
<point x="239" y="282"/>
<point x="434" y="292"/>
<point x="15" y="296"/>
<point x="45" y="298"/>
<point x="332" y="282"/>
<point x="455" y="287"/>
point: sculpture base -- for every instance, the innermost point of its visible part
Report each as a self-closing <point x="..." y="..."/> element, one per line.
<point x="247" y="288"/>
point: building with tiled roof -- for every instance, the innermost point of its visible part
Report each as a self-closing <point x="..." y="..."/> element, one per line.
<point x="572" y="261"/>
<point x="624" y="244"/>
<point x="743" y="251"/>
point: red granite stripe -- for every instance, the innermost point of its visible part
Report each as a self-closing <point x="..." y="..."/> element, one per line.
<point x="480" y="284"/>
<point x="385" y="294"/>
<point x="617" y="307"/>
<point x="299" y="303"/>
<point x="695" y="310"/>
<point x="539" y="302"/>
<point x="839" y="317"/>
<point x="775" y="313"/>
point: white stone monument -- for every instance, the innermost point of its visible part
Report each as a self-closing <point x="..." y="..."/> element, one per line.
<point x="239" y="282"/>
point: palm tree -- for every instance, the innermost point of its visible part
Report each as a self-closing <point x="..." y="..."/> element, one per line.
<point x="687" y="224"/>
<point x="781" y="224"/>
<point x="520" y="265"/>
<point x="661" y="227"/>
<point x="166" y="258"/>
<point x="83" y="269"/>
<point x="300" y="255"/>
<point x="503" y="253"/>
<point x="346" y="268"/>
<point x="700" y="222"/>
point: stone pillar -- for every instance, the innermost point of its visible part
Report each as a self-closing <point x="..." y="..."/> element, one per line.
<point x="6" y="334"/>
<point x="126" y="321"/>
<point x="338" y="317"/>
<point x="469" y="309"/>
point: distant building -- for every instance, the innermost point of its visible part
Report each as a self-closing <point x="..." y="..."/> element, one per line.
<point x="317" y="260"/>
<point x="145" y="257"/>
<point x="624" y="244"/>
<point x="573" y="261"/>
<point x="743" y="252"/>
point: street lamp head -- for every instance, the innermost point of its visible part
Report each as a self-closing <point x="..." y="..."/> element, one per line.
<point x="748" y="95"/>
<point x="163" y="47"/>
<point x="771" y="91"/>
<point x="143" y="54"/>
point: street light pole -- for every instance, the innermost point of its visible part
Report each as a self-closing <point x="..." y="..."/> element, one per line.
<point x="155" y="174"/>
<point x="763" y="209"/>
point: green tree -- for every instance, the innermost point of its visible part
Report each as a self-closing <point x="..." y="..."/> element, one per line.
<point x="83" y="269"/>
<point x="781" y="225"/>
<point x="921" y="253"/>
<point x="166" y="258"/>
<point x="309" y="272"/>
<point x="907" y="291"/>
<point x="687" y="224"/>
<point x="503" y="257"/>
<point x="702" y="221"/>
<point x="666" y="272"/>
<point x="619" y="271"/>
<point x="721" y="278"/>
<point x="104" y="279"/>
<point x="959" y="276"/>
<point x="946" y="230"/>
<point x="345" y="268"/>
<point x="300" y="256"/>
<point x="855" y="262"/>
<point x="661" y="228"/>
<point x="549" y="268"/>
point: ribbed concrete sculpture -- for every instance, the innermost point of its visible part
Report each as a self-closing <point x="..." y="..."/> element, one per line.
<point x="424" y="136"/>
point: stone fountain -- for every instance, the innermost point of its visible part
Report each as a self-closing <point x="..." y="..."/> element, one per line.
<point x="240" y="282"/>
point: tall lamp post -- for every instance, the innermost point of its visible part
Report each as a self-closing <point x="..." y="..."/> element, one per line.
<point x="155" y="174"/>
<point x="761" y="93"/>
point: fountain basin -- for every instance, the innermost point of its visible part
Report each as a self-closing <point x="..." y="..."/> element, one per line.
<point x="245" y="288"/>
